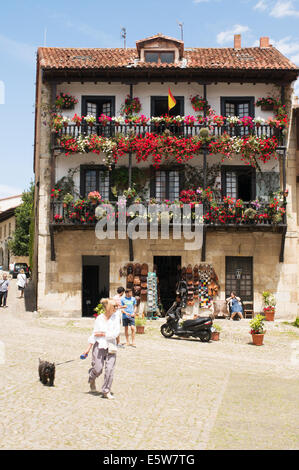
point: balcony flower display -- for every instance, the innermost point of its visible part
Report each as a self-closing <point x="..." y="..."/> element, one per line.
<point x="233" y="121"/>
<point x="104" y="119"/>
<point x="267" y="104"/>
<point x="90" y="120"/>
<point x="94" y="197"/>
<point x="199" y="103"/>
<point x="58" y="218"/>
<point x="77" y="119"/>
<point x="201" y="120"/>
<point x="59" y="121"/>
<point x="219" y="120"/>
<point x="55" y="193"/>
<point x="64" y="101"/>
<point x="258" y="121"/>
<point x="246" y="121"/>
<point x="189" y="120"/>
<point x="131" y="106"/>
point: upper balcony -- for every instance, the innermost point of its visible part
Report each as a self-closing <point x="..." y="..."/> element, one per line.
<point x="179" y="129"/>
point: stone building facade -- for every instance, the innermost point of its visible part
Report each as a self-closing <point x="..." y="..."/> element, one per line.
<point x="73" y="268"/>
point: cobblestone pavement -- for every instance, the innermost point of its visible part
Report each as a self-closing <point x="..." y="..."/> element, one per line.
<point x="170" y="393"/>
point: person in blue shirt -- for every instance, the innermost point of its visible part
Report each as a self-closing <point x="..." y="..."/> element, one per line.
<point x="129" y="309"/>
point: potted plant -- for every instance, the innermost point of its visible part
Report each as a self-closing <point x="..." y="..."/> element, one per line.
<point x="90" y="119"/>
<point x="216" y="332"/>
<point x="77" y="120"/>
<point x="250" y="215"/>
<point x="257" y="329"/>
<point x="94" y="197"/>
<point x="269" y="305"/>
<point x="140" y="323"/>
<point x="68" y="198"/>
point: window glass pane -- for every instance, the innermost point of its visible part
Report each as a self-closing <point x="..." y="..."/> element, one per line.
<point x="104" y="184"/>
<point x="91" y="109"/>
<point x="243" y="109"/>
<point x="167" y="57"/>
<point x="174" y="185"/>
<point x="151" y="57"/>
<point x="229" y="109"/>
<point x="106" y="108"/>
<point x="231" y="184"/>
<point x="160" y="185"/>
<point x="90" y="181"/>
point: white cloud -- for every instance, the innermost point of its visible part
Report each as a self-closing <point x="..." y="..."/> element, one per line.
<point x="282" y="9"/>
<point x="227" y="36"/>
<point x="262" y="5"/>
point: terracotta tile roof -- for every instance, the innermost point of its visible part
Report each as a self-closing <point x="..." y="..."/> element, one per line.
<point x="253" y="58"/>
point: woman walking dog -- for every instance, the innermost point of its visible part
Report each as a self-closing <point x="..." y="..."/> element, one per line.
<point x="103" y="342"/>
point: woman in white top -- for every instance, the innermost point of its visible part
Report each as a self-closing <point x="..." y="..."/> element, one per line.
<point x="21" y="282"/>
<point x="103" y="342"/>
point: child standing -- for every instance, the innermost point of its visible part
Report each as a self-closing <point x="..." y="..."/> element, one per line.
<point x="129" y="309"/>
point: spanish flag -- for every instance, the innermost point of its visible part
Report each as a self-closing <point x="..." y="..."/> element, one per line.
<point x="171" y="100"/>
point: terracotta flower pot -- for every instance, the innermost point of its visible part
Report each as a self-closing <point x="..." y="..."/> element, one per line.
<point x="257" y="339"/>
<point x="215" y="336"/>
<point x="269" y="315"/>
<point x="140" y="329"/>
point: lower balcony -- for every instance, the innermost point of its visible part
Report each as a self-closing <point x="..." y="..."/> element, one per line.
<point x="226" y="214"/>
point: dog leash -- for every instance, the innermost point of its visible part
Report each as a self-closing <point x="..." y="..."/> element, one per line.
<point x="83" y="356"/>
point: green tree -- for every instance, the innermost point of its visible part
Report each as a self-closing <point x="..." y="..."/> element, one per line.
<point x="20" y="243"/>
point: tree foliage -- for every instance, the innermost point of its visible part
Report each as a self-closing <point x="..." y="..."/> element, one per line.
<point x="19" y="245"/>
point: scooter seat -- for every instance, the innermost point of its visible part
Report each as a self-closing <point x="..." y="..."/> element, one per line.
<point x="197" y="321"/>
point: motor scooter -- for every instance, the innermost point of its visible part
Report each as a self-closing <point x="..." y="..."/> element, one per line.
<point x="198" y="328"/>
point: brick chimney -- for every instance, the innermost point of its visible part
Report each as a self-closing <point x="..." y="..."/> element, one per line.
<point x="264" y="42"/>
<point x="237" y="41"/>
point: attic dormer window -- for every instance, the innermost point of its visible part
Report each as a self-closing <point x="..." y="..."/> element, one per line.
<point x="159" y="57"/>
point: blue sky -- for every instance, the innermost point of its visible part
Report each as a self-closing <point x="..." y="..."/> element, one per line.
<point x="24" y="25"/>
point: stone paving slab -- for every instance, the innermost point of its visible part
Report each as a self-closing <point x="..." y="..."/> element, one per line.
<point x="170" y="393"/>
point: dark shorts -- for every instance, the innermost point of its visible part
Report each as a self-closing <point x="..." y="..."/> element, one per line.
<point x="21" y="288"/>
<point x="129" y="321"/>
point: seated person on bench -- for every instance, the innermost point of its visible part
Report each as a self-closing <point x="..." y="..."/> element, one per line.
<point x="235" y="307"/>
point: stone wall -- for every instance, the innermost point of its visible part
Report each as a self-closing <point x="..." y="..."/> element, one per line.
<point x="63" y="282"/>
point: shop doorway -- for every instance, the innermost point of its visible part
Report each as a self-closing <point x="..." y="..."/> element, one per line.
<point x="167" y="272"/>
<point x="239" y="277"/>
<point x="95" y="282"/>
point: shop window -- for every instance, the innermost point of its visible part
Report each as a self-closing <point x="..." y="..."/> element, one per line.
<point x="166" y="184"/>
<point x="238" y="182"/>
<point x="94" y="178"/>
<point x="159" y="106"/>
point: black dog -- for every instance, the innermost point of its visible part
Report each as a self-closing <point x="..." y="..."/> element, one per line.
<point x="46" y="372"/>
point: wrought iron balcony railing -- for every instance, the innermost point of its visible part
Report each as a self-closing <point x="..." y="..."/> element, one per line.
<point x="216" y="214"/>
<point x="183" y="130"/>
